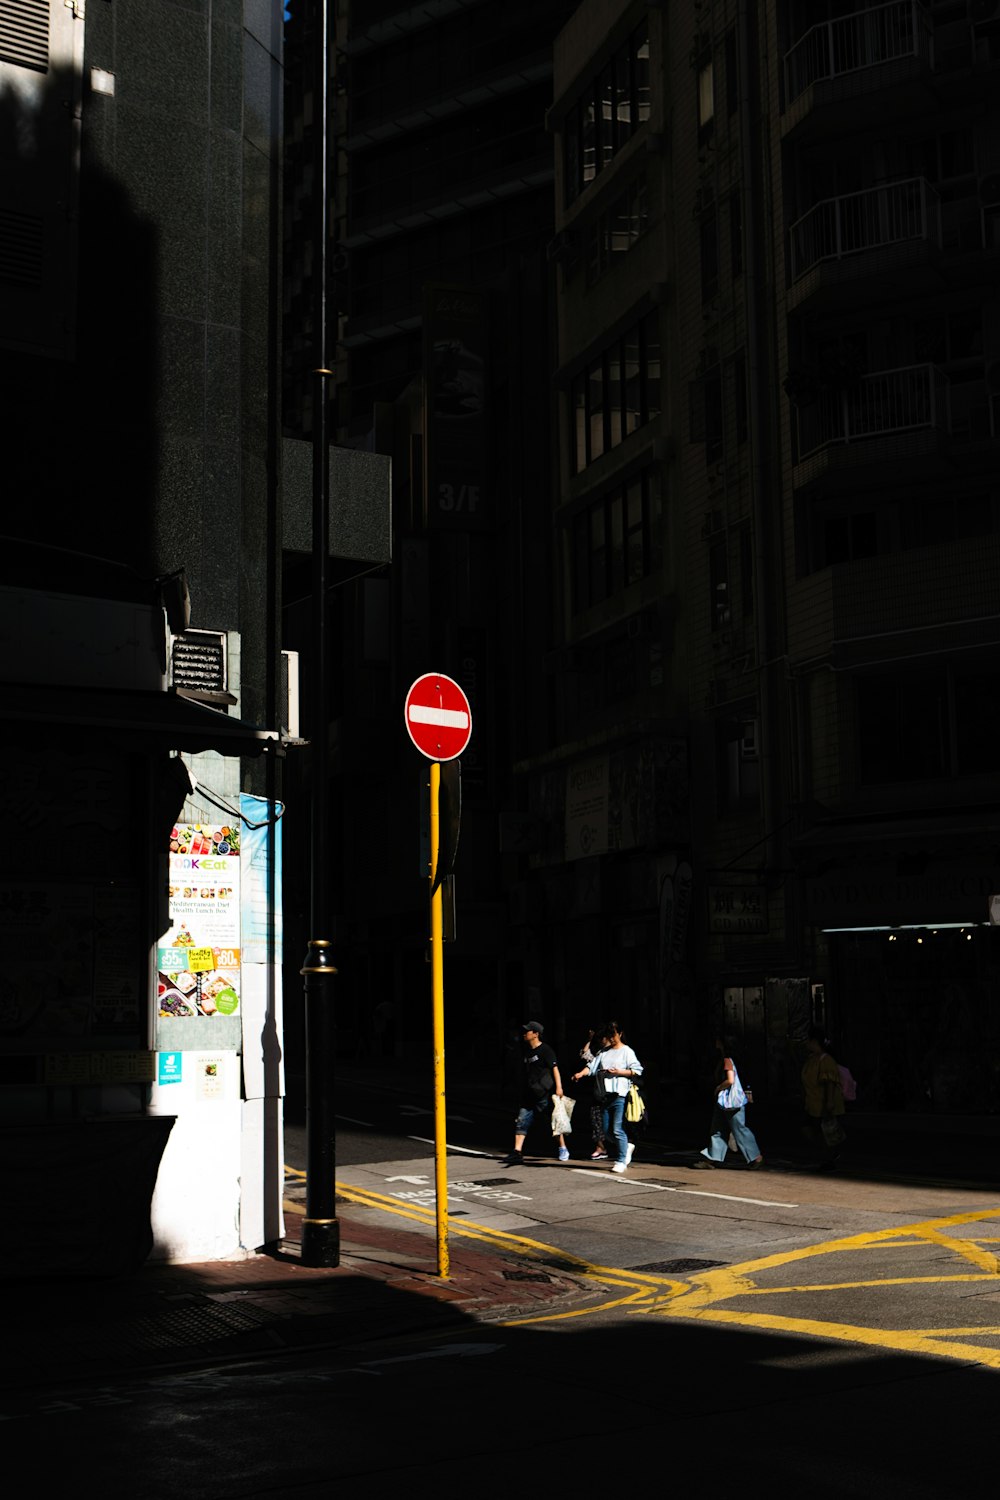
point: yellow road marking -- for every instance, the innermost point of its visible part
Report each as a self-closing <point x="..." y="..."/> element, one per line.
<point x="968" y="1248"/>
<point x="699" y="1297"/>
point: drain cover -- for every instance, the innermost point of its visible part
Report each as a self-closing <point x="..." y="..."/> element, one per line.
<point x="681" y="1264"/>
<point x="526" y="1276"/>
<point x="491" y="1182"/>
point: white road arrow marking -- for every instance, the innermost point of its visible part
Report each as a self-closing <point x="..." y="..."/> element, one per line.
<point x="417" y="1181"/>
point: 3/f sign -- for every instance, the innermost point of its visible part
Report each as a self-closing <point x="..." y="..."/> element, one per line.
<point x="438" y="717"/>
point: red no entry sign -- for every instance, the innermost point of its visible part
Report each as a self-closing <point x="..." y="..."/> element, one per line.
<point x="438" y="717"/>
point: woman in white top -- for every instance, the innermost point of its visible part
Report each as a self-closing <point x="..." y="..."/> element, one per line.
<point x="615" y="1066"/>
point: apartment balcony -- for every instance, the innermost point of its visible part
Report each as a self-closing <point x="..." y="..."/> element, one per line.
<point x="868" y="246"/>
<point x="933" y="599"/>
<point x="898" y="419"/>
<point x="860" y="68"/>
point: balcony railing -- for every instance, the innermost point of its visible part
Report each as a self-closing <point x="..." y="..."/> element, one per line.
<point x="861" y="40"/>
<point x="889" y="401"/>
<point x="887" y="215"/>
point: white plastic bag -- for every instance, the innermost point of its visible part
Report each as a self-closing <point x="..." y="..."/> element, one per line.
<point x="562" y="1108"/>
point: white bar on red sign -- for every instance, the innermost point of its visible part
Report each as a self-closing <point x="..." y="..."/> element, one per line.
<point x="449" y="717"/>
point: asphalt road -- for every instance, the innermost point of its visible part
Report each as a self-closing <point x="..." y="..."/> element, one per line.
<point x="774" y="1333"/>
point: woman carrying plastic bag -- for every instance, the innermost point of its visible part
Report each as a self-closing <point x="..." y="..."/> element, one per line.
<point x="729" y="1116"/>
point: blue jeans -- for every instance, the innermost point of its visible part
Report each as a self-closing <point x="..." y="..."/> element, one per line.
<point x="528" y="1113"/>
<point x="722" y="1124"/>
<point x="612" y="1112"/>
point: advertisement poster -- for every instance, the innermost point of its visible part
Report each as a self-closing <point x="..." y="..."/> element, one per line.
<point x="198" y="958"/>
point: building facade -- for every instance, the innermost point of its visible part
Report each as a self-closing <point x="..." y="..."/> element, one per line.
<point x="767" y="796"/>
<point x="442" y="215"/>
<point x="139" y="357"/>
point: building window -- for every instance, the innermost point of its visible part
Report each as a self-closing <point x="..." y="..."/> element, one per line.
<point x="741" y="418"/>
<point x="609" y="110"/>
<point x="705" y="397"/>
<point x="737" y="768"/>
<point x="613" y="233"/>
<point x="924" y="726"/>
<point x="718" y="584"/>
<point x="706" y="97"/>
<point x="746" y="572"/>
<point x="618" y="394"/>
<point x="709" y="249"/>
<point x="736" y="234"/>
<point x="617" y="540"/>
<point x="732" y="74"/>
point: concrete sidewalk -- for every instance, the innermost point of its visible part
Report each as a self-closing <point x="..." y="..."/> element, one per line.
<point x="169" y="1317"/>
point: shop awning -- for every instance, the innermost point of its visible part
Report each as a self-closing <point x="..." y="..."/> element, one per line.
<point x="130" y="719"/>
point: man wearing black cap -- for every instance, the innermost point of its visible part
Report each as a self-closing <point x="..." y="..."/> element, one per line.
<point x="541" y="1081"/>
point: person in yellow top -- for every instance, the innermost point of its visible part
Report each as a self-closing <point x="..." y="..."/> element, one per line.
<point x="823" y="1096"/>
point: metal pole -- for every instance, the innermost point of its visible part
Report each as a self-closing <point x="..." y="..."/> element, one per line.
<point x="437" y="993"/>
<point x="320" y="1230"/>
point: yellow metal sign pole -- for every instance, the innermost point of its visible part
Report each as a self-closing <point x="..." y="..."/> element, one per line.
<point x="437" y="989"/>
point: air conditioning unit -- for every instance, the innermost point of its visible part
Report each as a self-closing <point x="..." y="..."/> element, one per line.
<point x="749" y="739"/>
<point x="288" y="705"/>
<point x="199" y="666"/>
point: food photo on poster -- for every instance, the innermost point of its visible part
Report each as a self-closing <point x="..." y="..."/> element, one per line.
<point x="198" y="958"/>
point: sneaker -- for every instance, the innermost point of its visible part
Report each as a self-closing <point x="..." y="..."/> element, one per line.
<point x="702" y="1161"/>
<point x="755" y="1164"/>
<point x="599" y="1155"/>
<point x="515" y="1159"/>
<point x="628" y="1153"/>
<point x="619" y="1166"/>
<point x="563" y="1153"/>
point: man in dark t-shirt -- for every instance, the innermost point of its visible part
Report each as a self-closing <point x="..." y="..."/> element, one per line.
<point x="541" y="1080"/>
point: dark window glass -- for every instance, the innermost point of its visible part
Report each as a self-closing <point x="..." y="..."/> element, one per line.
<point x="595" y="410"/>
<point x="578" y="401"/>
<point x="574" y="164"/>
<point x="651" y="366"/>
<point x="614" y="395"/>
<point x="736" y="233"/>
<point x="732" y="73"/>
<point x="635" y="549"/>
<point x="709" y="245"/>
<point x="623" y="97"/>
<point x="713" y="416"/>
<point x="903" y="728"/>
<point x="606" y="119"/>
<point x="741" y="420"/>
<point x="654" y="522"/>
<point x="977" y="723"/>
<point x="617" y="530"/>
<point x="706" y="97"/>
<point x="588" y="138"/>
<point x="581" y="562"/>
<point x="718" y="575"/>
<point x="632" y="381"/>
<point x="640" y="75"/>
<point x="746" y="572"/>
<point x="598" y="555"/>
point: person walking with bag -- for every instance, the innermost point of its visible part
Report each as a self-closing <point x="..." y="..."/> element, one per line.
<point x="540" y="1081"/>
<point x="729" y="1116"/>
<point x="590" y="1049"/>
<point x="823" y="1096"/>
<point x="616" y="1067"/>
